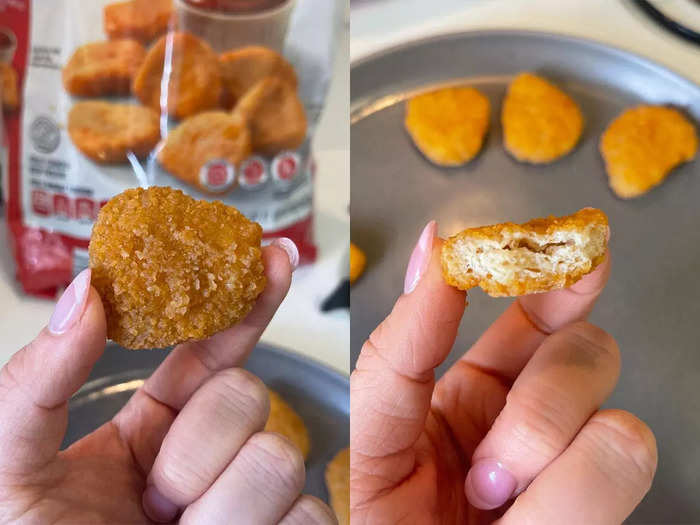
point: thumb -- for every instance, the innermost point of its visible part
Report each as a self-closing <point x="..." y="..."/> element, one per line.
<point x="37" y="382"/>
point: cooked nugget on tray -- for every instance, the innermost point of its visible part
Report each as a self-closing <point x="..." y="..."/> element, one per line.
<point x="541" y="123"/>
<point x="9" y="87"/>
<point x="338" y="483"/>
<point x="107" y="132"/>
<point x="170" y="268"/>
<point x="448" y="125"/>
<point x="103" y="68"/>
<point x="143" y="20"/>
<point x="275" y="116"/>
<point x="517" y="259"/>
<point x="194" y="80"/>
<point x="643" y="144"/>
<point x="285" y="420"/>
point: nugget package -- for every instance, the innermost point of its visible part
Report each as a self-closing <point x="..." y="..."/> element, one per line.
<point x="218" y="98"/>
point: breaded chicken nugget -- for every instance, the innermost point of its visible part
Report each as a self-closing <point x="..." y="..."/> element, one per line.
<point x="103" y="68"/>
<point x="194" y="80"/>
<point x="358" y="259"/>
<point x="284" y="420"/>
<point x="242" y="68"/>
<point x="170" y="268"/>
<point x="209" y="136"/>
<point x="642" y="145"/>
<point x="275" y="116"/>
<point x="10" y="89"/>
<point x="338" y="483"/>
<point x="143" y="20"/>
<point x="541" y="123"/>
<point x="107" y="132"/>
<point x="448" y="125"/>
<point x="517" y="259"/>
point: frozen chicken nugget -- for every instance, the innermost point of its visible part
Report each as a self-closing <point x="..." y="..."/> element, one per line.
<point x="194" y="79"/>
<point x="338" y="483"/>
<point x="284" y="420"/>
<point x="170" y="268"/>
<point x="517" y="259"/>
<point x="643" y="145"/>
<point x="541" y="123"/>
<point x="209" y="136"/>
<point x="8" y="84"/>
<point x="103" y="68"/>
<point x="143" y="20"/>
<point x="448" y="125"/>
<point x="275" y="116"/>
<point x="107" y="132"/>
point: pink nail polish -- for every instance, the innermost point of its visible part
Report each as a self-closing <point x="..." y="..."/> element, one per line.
<point x="292" y="251"/>
<point x="420" y="258"/>
<point x="158" y="507"/>
<point x="70" y="306"/>
<point x="489" y="485"/>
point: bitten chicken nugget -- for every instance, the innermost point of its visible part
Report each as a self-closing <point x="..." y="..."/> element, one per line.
<point x="358" y="259"/>
<point x="517" y="259"/>
<point x="338" y="482"/>
<point x="194" y="80"/>
<point x="170" y="268"/>
<point x="107" y="132"/>
<point x="209" y="136"/>
<point x="8" y="84"/>
<point x="103" y="68"/>
<point x="242" y="68"/>
<point x="448" y="125"/>
<point x="275" y="116"/>
<point x="643" y="145"/>
<point x="284" y="420"/>
<point x="143" y="20"/>
<point x="541" y="123"/>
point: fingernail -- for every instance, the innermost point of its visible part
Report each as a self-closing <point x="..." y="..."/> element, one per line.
<point x="157" y="506"/>
<point x="420" y="258"/>
<point x="489" y="485"/>
<point x="70" y="306"/>
<point x="292" y="251"/>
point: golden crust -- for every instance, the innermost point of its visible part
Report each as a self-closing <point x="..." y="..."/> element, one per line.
<point x="642" y="145"/>
<point x="285" y="420"/>
<point x="448" y="125"/>
<point x="170" y="268"/>
<point x="194" y="83"/>
<point x="8" y="85"/>
<point x="103" y="68"/>
<point x="338" y="483"/>
<point x="143" y="20"/>
<point x="107" y="132"/>
<point x="358" y="259"/>
<point x="541" y="123"/>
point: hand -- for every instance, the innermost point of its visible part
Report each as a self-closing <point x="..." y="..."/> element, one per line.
<point x="516" y="417"/>
<point x="187" y="445"/>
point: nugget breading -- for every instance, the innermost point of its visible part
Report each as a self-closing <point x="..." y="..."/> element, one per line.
<point x="213" y="135"/>
<point x="284" y="420"/>
<point x="107" y="132"/>
<point x="517" y="259"/>
<point x="103" y="68"/>
<point x="8" y="84"/>
<point x="143" y="20"/>
<point x="275" y="116"/>
<point x="642" y="145"/>
<point x="194" y="80"/>
<point x="448" y="125"/>
<point x="242" y="68"/>
<point x="170" y="268"/>
<point x="358" y="259"/>
<point x="541" y="123"/>
<point x="338" y="483"/>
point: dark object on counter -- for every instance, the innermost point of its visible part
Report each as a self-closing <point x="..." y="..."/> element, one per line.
<point x="340" y="298"/>
<point x="671" y="25"/>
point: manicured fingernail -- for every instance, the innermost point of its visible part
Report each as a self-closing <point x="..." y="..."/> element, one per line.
<point x="420" y="258"/>
<point x="489" y="485"/>
<point x="158" y="507"/>
<point x="70" y="306"/>
<point x="292" y="251"/>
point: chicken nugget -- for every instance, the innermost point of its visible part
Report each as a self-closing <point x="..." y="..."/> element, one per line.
<point x="275" y="116"/>
<point x="338" y="483"/>
<point x="358" y="259"/>
<point x="541" y="123"/>
<point x="242" y="68"/>
<point x="194" y="79"/>
<point x="448" y="125"/>
<point x="642" y="145"/>
<point x="209" y="136"/>
<point x="107" y="132"/>
<point x="143" y="20"/>
<point x="170" y="268"/>
<point x="284" y="420"/>
<point x="9" y="87"/>
<point x="103" y="68"/>
<point x="517" y="259"/>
